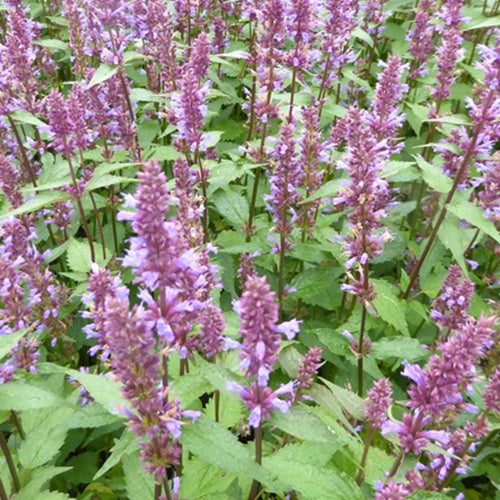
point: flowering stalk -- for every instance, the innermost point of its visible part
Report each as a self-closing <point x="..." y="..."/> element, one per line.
<point x="379" y="401"/>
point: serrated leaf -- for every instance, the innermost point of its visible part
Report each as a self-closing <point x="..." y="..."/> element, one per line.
<point x="347" y="399"/>
<point x="311" y="482"/>
<point x="103" y="72"/>
<point x="7" y="342"/>
<point x="389" y="307"/>
<point x="230" y="410"/>
<point x="37" y="202"/>
<point x="434" y="176"/>
<point x="20" y="396"/>
<point x="38" y="478"/>
<point x="454" y="239"/>
<point x="301" y="423"/>
<point x="232" y="206"/>
<point x="91" y="415"/>
<point x="474" y="215"/>
<point x="211" y="482"/>
<point x="26" y="117"/>
<point x="51" y="43"/>
<point x="106" y="180"/>
<point x="125" y="445"/>
<point x="103" y="389"/>
<point x="213" y="444"/>
<point x="41" y="445"/>
<point x="318" y="286"/>
<point x="399" y="347"/>
<point x="138" y="483"/>
<point x="491" y="22"/>
<point x="78" y="257"/>
<point x="144" y="95"/>
<point x="164" y="153"/>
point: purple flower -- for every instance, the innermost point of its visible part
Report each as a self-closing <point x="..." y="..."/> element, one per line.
<point x="309" y="366"/>
<point x="378" y="402"/>
<point x="451" y="305"/>
<point x="261" y="342"/>
<point x="260" y="400"/>
<point x="411" y="433"/>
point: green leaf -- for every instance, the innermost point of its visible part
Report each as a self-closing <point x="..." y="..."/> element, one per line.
<point x="38" y="479"/>
<point x="319" y="286"/>
<point x="51" y="43"/>
<point x="106" y="180"/>
<point x="311" y="482"/>
<point x="104" y="390"/>
<point x="92" y="415"/>
<point x="389" y="307"/>
<point x="232" y="206"/>
<point x="230" y="410"/>
<point x="144" y="95"/>
<point x="455" y="239"/>
<point x="474" y="215"/>
<point x="211" y="482"/>
<point x="78" y="256"/>
<point x="434" y="176"/>
<point x="399" y="347"/>
<point x="20" y="396"/>
<point x="325" y="398"/>
<point x="428" y="495"/>
<point x="41" y="445"/>
<point x="103" y="72"/>
<point x="217" y="446"/>
<point x="301" y="423"/>
<point x="491" y="22"/>
<point x="7" y="342"/>
<point x="38" y="202"/>
<point x="138" y="483"/>
<point x="26" y="117"/>
<point x="125" y="445"/>
<point x="347" y="399"/>
<point x="164" y="153"/>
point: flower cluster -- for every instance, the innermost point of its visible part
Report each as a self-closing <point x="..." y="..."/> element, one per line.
<point x="30" y="296"/>
<point x="261" y="342"/>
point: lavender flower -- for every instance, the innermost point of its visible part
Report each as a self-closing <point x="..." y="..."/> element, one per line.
<point x="450" y="307"/>
<point x="261" y="343"/>
<point x="420" y="42"/>
<point x="385" y="119"/>
<point x="30" y="296"/>
<point x="340" y="22"/>
<point x="163" y="259"/>
<point x="379" y="401"/>
<point x="10" y="181"/>
<point x="312" y="154"/>
<point x="308" y="368"/>
<point x="449" y="52"/>
<point x="156" y="418"/>
<point x="284" y="181"/>
<point x="261" y="400"/>
<point x="367" y="196"/>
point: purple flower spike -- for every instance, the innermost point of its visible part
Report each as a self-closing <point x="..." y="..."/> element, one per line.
<point x="379" y="400"/>
<point x="261" y="341"/>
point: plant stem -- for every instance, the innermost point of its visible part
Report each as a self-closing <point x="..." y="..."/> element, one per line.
<point x="17" y="424"/>
<point x="3" y="493"/>
<point x="10" y="463"/>
<point x="361" y="472"/>
<point x="360" y="351"/>
<point x="456" y="182"/>
<point x="258" y="458"/>
<point x="80" y="208"/>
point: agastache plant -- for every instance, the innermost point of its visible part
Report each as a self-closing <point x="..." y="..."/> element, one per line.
<point x="261" y="336"/>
